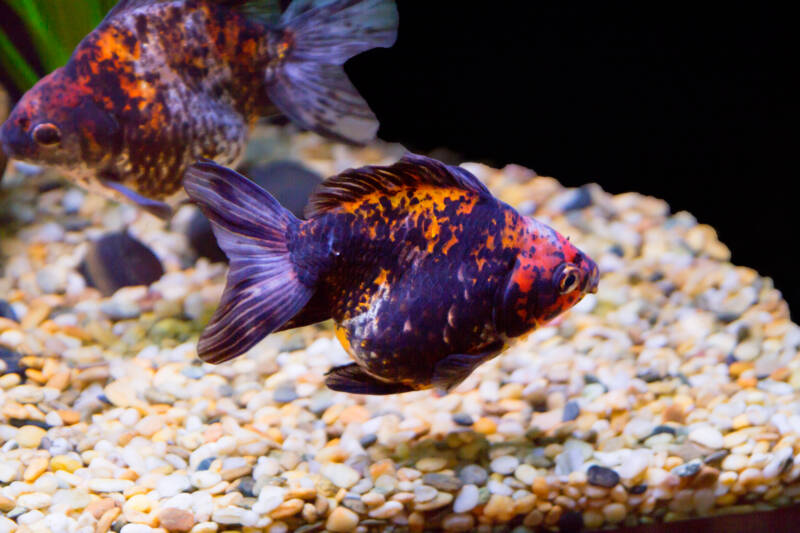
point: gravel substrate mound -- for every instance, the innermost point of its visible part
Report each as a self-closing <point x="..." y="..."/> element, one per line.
<point x="671" y="393"/>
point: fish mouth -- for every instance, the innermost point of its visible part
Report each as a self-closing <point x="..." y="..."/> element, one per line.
<point x="593" y="280"/>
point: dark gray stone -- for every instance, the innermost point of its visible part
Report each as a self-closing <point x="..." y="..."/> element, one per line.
<point x="473" y="474"/>
<point x="118" y="260"/>
<point x="442" y="482"/>
<point x="6" y="311"/>
<point x="462" y="419"/>
<point x="602" y="477"/>
<point x="571" y="411"/>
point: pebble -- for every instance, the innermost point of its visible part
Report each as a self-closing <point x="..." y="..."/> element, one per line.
<point x="467" y="499"/>
<point x="105" y="269"/>
<point x="442" y="481"/>
<point x="571" y="411"/>
<point x="109" y="485"/>
<point x="462" y="419"/>
<point x="473" y="474"/>
<point x="504" y="465"/>
<point x="285" y="393"/>
<point x="341" y="475"/>
<point x="173" y="484"/>
<point x="707" y="436"/>
<point x="341" y="520"/>
<point x="601" y="476"/>
<point x="30" y="436"/>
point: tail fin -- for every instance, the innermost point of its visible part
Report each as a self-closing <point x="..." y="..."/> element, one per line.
<point x="263" y="290"/>
<point x="309" y="84"/>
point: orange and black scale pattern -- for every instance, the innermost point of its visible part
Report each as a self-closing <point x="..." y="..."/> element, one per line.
<point x="410" y="272"/>
<point x="179" y="80"/>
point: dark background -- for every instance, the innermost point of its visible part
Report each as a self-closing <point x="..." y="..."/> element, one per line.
<point x="690" y="104"/>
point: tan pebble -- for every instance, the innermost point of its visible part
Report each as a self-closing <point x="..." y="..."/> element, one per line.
<point x="287" y="509"/>
<point x="416" y="522"/>
<point x="485" y="425"/>
<point x="121" y="393"/>
<point x="304" y="493"/>
<point x="373" y="499"/>
<point x="499" y="508"/>
<point x="8" y="381"/>
<point x="553" y="515"/>
<point x="6" y="504"/>
<point x="593" y="519"/>
<point x="707" y="477"/>
<point x="525" y="504"/>
<point x="37" y="312"/>
<point x="540" y="487"/>
<point x="12" y="409"/>
<point x="106" y="519"/>
<point x="403" y="497"/>
<point x="431" y="464"/>
<point x="614" y="512"/>
<point x="750" y="476"/>
<point x="138" y="503"/>
<point x="734" y="462"/>
<point x="533" y="519"/>
<point x="441" y="499"/>
<point x="235" y="473"/>
<point x="740" y="421"/>
<point x="35" y="468"/>
<point x="69" y="417"/>
<point x="342" y="520"/>
<point x="382" y="467"/>
<point x="59" y="381"/>
<point x="174" y="519"/>
<point x="30" y="436"/>
<point x="354" y="414"/>
<point x="738" y="367"/>
<point x="674" y="413"/>
<point x="458" y="523"/>
<point x="726" y="499"/>
<point x="99" y="507"/>
<point x="389" y="509"/>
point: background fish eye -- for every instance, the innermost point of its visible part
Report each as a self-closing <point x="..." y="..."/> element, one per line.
<point x="46" y="134"/>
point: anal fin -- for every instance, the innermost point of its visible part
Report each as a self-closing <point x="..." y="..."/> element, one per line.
<point x="352" y="378"/>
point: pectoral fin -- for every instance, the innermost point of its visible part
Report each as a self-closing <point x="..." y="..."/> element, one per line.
<point x="154" y="207"/>
<point x="455" y="368"/>
<point x="352" y="378"/>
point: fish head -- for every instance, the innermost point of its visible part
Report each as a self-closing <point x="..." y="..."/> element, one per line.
<point x="550" y="275"/>
<point x="58" y="124"/>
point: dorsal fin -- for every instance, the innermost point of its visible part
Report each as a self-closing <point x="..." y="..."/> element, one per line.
<point x="267" y="10"/>
<point x="411" y="172"/>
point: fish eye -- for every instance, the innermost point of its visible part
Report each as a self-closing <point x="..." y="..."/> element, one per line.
<point x="47" y="134"/>
<point x="569" y="279"/>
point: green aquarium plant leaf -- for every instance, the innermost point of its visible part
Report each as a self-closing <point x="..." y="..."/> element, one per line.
<point x="54" y="27"/>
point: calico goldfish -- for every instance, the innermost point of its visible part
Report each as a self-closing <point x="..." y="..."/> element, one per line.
<point x="425" y="273"/>
<point x="160" y="84"/>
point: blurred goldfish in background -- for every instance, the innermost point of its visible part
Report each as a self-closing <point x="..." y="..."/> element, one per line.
<point x="161" y="83"/>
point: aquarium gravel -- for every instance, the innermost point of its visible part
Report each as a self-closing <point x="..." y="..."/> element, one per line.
<point x="671" y="393"/>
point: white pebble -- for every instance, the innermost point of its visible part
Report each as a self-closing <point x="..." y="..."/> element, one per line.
<point x="34" y="500"/>
<point x="504" y="465"/>
<point x="341" y="475"/>
<point x="228" y="515"/>
<point x="136" y="528"/>
<point x="173" y="484"/>
<point x="269" y="499"/>
<point x="466" y="499"/>
<point x="496" y="487"/>
<point x="205" y="479"/>
<point x="707" y="436"/>
<point x="109" y="485"/>
<point x="387" y="510"/>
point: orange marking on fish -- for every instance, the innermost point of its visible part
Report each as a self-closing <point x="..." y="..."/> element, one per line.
<point x="449" y="244"/>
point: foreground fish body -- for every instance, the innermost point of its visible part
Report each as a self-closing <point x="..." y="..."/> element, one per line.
<point x="159" y="84"/>
<point x="425" y="273"/>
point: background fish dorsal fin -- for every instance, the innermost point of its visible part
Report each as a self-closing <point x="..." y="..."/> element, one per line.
<point x="411" y="172"/>
<point x="266" y="10"/>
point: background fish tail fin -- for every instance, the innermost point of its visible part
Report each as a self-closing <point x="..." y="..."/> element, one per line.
<point x="263" y="290"/>
<point x="308" y="82"/>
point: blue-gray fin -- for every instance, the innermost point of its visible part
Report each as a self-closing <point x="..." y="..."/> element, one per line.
<point x="263" y="290"/>
<point x="266" y="10"/>
<point x="455" y="368"/>
<point x="412" y="171"/>
<point x="154" y="207"/>
<point x="309" y="84"/>
<point x="352" y="378"/>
